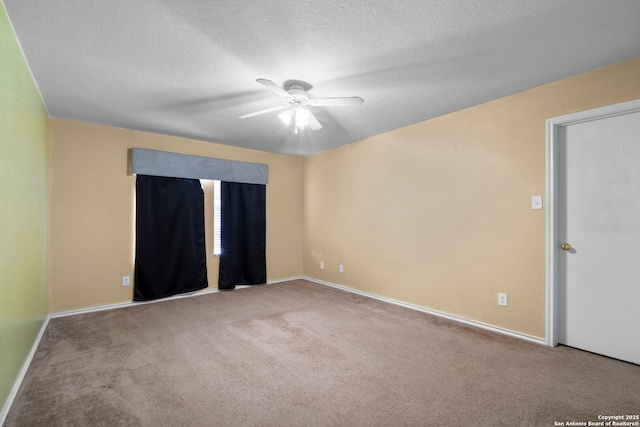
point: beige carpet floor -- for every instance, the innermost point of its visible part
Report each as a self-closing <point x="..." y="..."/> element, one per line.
<point x="302" y="354"/>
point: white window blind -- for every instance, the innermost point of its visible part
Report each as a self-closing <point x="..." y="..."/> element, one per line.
<point x="217" y="223"/>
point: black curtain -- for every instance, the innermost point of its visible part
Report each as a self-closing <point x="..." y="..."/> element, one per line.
<point x="170" y="242"/>
<point x="243" y="235"/>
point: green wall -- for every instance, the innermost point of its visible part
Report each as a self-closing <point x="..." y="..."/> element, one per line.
<point x="24" y="197"/>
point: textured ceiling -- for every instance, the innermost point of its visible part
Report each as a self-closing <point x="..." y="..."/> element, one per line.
<point x="188" y="68"/>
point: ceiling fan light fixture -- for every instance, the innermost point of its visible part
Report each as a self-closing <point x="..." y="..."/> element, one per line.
<point x="286" y="116"/>
<point x="302" y="117"/>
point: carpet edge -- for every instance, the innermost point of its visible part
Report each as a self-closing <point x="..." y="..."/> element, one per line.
<point x="469" y="322"/>
<point x="23" y="372"/>
<point x="132" y="303"/>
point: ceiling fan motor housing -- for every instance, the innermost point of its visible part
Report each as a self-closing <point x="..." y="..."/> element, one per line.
<point x="297" y="95"/>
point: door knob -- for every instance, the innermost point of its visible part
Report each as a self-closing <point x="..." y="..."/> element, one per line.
<point x="565" y="246"/>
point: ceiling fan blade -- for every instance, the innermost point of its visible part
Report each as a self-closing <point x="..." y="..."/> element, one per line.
<point x="344" y="101"/>
<point x="268" y="110"/>
<point x="314" y="124"/>
<point x="273" y="87"/>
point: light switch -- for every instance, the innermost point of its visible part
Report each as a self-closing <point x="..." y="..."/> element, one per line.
<point x="536" y="202"/>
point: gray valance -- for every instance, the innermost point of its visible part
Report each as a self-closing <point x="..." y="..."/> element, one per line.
<point x="176" y="165"/>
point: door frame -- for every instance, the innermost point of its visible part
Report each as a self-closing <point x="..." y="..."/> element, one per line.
<point x="551" y="171"/>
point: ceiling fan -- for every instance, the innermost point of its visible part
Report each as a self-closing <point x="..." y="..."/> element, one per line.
<point x="297" y="103"/>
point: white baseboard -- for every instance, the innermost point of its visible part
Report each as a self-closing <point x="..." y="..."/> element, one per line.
<point x="434" y="312"/>
<point x="286" y="279"/>
<point x="23" y="372"/>
<point x="132" y="303"/>
<point x="321" y="282"/>
<point x="128" y="304"/>
<point x="90" y="309"/>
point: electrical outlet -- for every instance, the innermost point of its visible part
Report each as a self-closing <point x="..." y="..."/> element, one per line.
<point x="126" y="280"/>
<point x="321" y="265"/>
<point x="502" y="300"/>
<point x="341" y="268"/>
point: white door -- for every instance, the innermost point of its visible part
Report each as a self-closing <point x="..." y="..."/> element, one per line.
<point x="598" y="215"/>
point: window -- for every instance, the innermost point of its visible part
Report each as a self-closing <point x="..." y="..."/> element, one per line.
<point x="217" y="223"/>
<point x="217" y="213"/>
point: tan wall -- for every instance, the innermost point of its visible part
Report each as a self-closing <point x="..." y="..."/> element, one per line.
<point x="438" y="214"/>
<point x="92" y="211"/>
